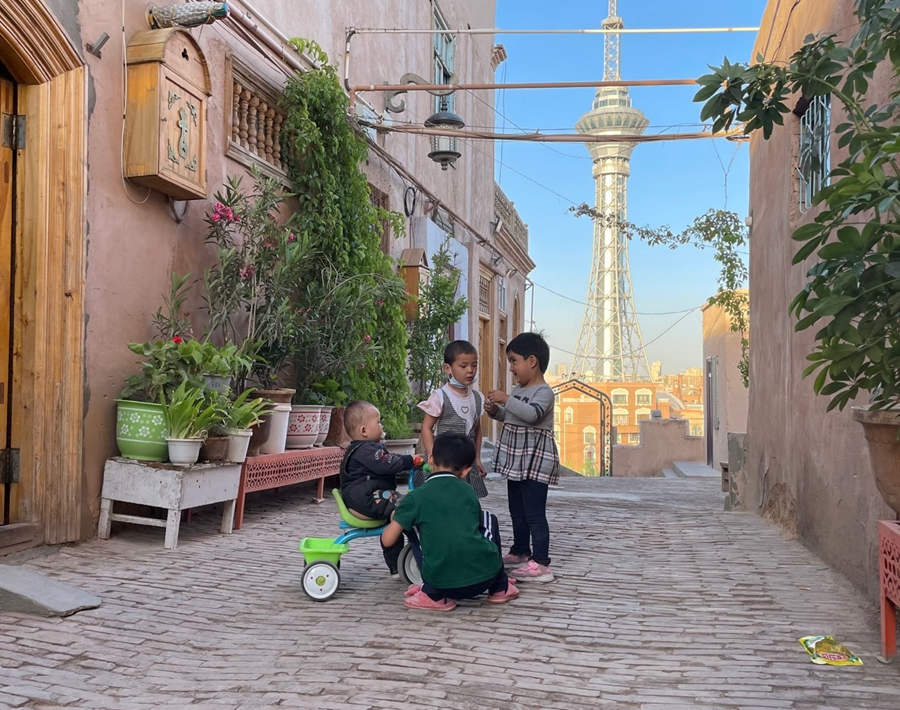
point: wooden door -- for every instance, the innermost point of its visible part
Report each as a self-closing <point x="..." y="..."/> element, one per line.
<point x="486" y="381"/>
<point x="7" y="104"/>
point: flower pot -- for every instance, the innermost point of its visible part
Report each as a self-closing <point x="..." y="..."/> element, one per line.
<point x="337" y="434"/>
<point x="238" y="441"/>
<point x="324" y="424"/>
<point x="214" y="449"/>
<point x="141" y="430"/>
<point x="279" y="395"/>
<point x="218" y="383"/>
<point x="303" y="426"/>
<point x="404" y="447"/>
<point x="184" y="451"/>
<point x="882" y="428"/>
<point x="278" y="428"/>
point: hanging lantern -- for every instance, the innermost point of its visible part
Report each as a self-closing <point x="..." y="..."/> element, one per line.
<point x="444" y="148"/>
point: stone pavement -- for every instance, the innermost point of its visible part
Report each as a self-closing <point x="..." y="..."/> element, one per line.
<point x="663" y="601"/>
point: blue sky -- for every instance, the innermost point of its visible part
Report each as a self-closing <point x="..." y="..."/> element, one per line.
<point x="671" y="182"/>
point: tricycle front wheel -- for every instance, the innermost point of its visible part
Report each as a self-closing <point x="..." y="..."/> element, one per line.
<point x="409" y="568"/>
<point x="320" y="580"/>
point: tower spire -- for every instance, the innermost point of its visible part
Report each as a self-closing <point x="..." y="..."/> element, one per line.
<point x="610" y="346"/>
<point x="611" y="42"/>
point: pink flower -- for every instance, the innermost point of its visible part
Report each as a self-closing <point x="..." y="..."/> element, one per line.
<point x="379" y="302"/>
<point x="309" y="310"/>
<point x="215" y="217"/>
<point x="229" y="214"/>
<point x="219" y="207"/>
<point x="291" y="237"/>
<point x="367" y="338"/>
<point x="247" y="272"/>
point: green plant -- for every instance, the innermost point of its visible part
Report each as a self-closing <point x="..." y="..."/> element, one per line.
<point x="328" y="391"/>
<point x="720" y="230"/>
<point x="852" y="245"/>
<point x="322" y="152"/>
<point x="244" y="412"/>
<point x="171" y="319"/>
<point x="437" y="309"/>
<point x="255" y="291"/>
<point x="188" y="413"/>
<point x="165" y="366"/>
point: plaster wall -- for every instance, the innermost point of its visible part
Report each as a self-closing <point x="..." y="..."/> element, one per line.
<point x="729" y="410"/>
<point x="133" y="242"/>
<point x="662" y="442"/>
<point x="807" y="469"/>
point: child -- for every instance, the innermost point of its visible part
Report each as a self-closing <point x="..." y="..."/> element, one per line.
<point x="457" y="406"/>
<point x="459" y="558"/>
<point x="527" y="454"/>
<point x="369" y="471"/>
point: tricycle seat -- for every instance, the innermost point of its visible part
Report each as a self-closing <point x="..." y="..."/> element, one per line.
<point x="351" y="521"/>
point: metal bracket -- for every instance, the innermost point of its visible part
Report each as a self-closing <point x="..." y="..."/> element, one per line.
<point x="9" y="465"/>
<point x="12" y="131"/>
<point x="410" y="78"/>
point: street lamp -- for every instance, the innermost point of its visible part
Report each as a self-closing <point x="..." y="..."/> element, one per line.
<point x="443" y="148"/>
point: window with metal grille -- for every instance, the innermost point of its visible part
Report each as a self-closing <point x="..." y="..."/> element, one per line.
<point x="814" y="157"/>
<point x="642" y="398"/>
<point x="484" y="294"/>
<point x="620" y="396"/>
<point x="589" y="434"/>
<point x="501" y="294"/>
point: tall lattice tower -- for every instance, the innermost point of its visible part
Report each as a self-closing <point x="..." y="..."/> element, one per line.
<point x="609" y="344"/>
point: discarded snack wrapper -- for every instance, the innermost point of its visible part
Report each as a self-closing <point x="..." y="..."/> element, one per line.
<point x="826" y="651"/>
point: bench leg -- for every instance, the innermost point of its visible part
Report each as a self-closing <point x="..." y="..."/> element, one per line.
<point x="228" y="517"/>
<point x="105" y="511"/>
<point x="888" y="629"/>
<point x="173" y="522"/>
<point x="320" y="490"/>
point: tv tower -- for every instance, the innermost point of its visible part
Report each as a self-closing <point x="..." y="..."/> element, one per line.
<point x="610" y="347"/>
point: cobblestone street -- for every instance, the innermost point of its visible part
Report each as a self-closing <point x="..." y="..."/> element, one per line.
<point x="662" y="601"/>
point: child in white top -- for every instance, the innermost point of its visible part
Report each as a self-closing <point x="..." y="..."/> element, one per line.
<point x="456" y="407"/>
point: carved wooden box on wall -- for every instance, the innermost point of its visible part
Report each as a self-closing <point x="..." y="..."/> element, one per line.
<point x="165" y="125"/>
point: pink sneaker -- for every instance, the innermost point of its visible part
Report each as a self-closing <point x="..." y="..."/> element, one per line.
<point x="420" y="600"/>
<point x="511" y="560"/>
<point x="534" y="572"/>
<point x="412" y="589"/>
<point x="502" y="597"/>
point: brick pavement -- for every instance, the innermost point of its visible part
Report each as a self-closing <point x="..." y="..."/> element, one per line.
<point x="663" y="601"/>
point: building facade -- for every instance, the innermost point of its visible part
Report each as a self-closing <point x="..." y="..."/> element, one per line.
<point x="94" y="252"/>
<point x="804" y="467"/>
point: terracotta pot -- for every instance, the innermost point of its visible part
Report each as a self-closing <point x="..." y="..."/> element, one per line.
<point x="337" y="434"/>
<point x="882" y="429"/>
<point x="279" y="395"/>
<point x="214" y="449"/>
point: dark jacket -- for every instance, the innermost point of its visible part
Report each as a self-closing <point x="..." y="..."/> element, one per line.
<point x="371" y="461"/>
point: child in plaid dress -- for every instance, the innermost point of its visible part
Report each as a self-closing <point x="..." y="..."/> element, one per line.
<point x="456" y="407"/>
<point x="527" y="454"/>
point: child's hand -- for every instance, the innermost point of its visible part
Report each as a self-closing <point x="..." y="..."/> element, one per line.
<point x="480" y="468"/>
<point x="497" y="397"/>
<point x="490" y="407"/>
<point x="418" y="461"/>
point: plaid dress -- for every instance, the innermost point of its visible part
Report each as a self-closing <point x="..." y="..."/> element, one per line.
<point x="527" y="453"/>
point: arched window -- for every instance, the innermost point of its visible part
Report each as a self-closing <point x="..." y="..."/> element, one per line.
<point x="619" y="397"/>
<point x="589" y="435"/>
<point x="620" y="417"/>
<point x="643" y="397"/>
<point x="641" y="414"/>
<point x="569" y="415"/>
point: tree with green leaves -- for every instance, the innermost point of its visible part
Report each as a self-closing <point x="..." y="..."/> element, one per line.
<point x="852" y="244"/>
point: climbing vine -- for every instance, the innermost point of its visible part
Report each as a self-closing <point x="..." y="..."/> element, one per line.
<point x="719" y="230"/>
<point x="324" y="152"/>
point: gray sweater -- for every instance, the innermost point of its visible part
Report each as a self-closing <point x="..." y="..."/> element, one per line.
<point x="528" y="406"/>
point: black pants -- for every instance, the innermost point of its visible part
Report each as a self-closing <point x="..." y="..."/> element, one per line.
<point x="528" y="510"/>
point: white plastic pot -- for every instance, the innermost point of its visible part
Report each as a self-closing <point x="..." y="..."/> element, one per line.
<point x="278" y="429"/>
<point x="184" y="451"/>
<point x="238" y="441"/>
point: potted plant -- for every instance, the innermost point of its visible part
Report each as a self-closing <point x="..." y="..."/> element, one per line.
<point x="239" y="416"/>
<point x="851" y="247"/>
<point x="188" y="418"/>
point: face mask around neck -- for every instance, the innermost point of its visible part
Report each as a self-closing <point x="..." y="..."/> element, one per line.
<point x="456" y="383"/>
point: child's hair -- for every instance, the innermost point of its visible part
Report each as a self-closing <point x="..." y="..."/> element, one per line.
<point x="354" y="414"/>
<point x="528" y="344"/>
<point x="452" y="451"/>
<point x="457" y="348"/>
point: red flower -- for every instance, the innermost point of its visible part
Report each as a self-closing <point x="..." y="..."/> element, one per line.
<point x="215" y="217"/>
<point x="177" y="340"/>
<point x="367" y="338"/>
<point x="291" y="237"/>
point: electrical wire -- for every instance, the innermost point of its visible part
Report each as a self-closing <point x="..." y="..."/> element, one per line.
<point x="637" y="313"/>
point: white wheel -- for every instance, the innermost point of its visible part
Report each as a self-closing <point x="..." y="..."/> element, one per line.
<point x="408" y="566"/>
<point x="321" y="580"/>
